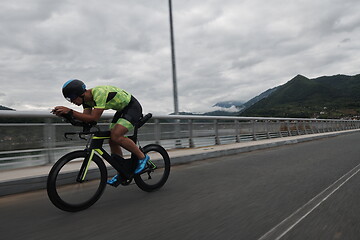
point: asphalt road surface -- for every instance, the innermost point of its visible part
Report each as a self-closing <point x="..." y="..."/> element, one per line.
<point x="303" y="191"/>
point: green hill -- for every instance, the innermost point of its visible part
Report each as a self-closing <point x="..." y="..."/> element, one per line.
<point x="325" y="97"/>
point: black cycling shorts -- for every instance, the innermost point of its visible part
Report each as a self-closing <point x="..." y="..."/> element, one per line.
<point x="129" y="116"/>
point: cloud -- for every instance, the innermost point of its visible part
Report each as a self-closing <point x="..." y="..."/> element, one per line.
<point x="231" y="50"/>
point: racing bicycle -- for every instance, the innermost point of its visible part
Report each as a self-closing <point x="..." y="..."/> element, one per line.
<point x="78" y="179"/>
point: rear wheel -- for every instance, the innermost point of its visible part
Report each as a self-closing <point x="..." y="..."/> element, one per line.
<point x="157" y="170"/>
<point x="69" y="194"/>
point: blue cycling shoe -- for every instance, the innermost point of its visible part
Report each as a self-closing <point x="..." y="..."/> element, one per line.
<point x="115" y="181"/>
<point x="142" y="164"/>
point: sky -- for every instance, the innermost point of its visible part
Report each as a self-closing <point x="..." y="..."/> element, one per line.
<point x="225" y="50"/>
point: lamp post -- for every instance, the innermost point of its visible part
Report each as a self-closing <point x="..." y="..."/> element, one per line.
<point x="175" y="93"/>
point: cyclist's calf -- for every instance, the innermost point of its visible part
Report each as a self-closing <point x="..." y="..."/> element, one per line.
<point x="115" y="148"/>
<point x="117" y="136"/>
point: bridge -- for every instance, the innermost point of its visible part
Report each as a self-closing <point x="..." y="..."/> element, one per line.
<point x="299" y="186"/>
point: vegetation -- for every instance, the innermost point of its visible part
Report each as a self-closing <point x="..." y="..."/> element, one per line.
<point x="325" y="97"/>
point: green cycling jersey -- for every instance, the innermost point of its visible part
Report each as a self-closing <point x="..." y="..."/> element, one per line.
<point x="108" y="97"/>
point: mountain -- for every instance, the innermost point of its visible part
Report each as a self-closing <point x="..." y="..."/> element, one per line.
<point x="227" y="107"/>
<point x="259" y="97"/>
<point x="239" y="105"/>
<point x="326" y="97"/>
<point x="5" y="108"/>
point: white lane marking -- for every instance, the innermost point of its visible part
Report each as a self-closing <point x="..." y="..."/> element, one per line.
<point x="290" y="222"/>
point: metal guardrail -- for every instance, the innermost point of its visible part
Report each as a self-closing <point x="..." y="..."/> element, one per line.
<point x="29" y="144"/>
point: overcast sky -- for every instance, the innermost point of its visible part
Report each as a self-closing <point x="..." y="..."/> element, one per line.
<point x="225" y="49"/>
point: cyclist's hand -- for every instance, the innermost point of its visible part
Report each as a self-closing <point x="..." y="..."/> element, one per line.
<point x="60" y="110"/>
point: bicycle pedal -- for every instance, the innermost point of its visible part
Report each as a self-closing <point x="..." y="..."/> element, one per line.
<point x="115" y="184"/>
<point x="146" y="169"/>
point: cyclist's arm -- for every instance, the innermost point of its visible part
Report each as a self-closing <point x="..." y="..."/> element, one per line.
<point x="87" y="111"/>
<point x="89" y="115"/>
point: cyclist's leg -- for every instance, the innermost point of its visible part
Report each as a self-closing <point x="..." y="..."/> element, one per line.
<point x="117" y="139"/>
<point x="115" y="148"/>
<point x="117" y="136"/>
<point x="123" y="122"/>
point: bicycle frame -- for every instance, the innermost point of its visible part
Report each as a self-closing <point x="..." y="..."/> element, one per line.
<point x="96" y="146"/>
<point x="96" y="143"/>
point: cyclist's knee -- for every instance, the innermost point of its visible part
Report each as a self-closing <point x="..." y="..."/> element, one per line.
<point x="117" y="134"/>
<point x="119" y="130"/>
<point x="117" y="138"/>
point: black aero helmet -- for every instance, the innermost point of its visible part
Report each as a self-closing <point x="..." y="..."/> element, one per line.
<point x="73" y="88"/>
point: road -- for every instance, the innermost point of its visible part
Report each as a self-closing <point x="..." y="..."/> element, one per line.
<point x="303" y="191"/>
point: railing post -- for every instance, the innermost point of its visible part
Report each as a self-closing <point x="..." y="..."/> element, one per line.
<point x="280" y="132"/>
<point x="178" y="133"/>
<point x="341" y="126"/>
<point x="254" y="131"/>
<point x="317" y="126"/>
<point x="326" y="126"/>
<point x="49" y="140"/>
<point x="305" y="128"/>
<point x="267" y="129"/>
<point x="338" y="126"/>
<point x="311" y="126"/>
<point x="216" y="128"/>
<point x="297" y="128"/>
<point x="157" y="131"/>
<point x="288" y="128"/>
<point x="237" y="130"/>
<point x="191" y="140"/>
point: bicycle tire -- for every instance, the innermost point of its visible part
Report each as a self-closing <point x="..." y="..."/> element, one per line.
<point x="161" y="159"/>
<point x="63" y="189"/>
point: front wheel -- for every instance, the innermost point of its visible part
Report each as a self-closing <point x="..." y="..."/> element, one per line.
<point x="157" y="170"/>
<point x="66" y="191"/>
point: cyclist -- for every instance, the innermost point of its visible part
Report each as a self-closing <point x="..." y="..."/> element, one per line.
<point x="101" y="98"/>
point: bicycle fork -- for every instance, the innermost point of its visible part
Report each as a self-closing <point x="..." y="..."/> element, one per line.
<point x="95" y="143"/>
<point x="85" y="166"/>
